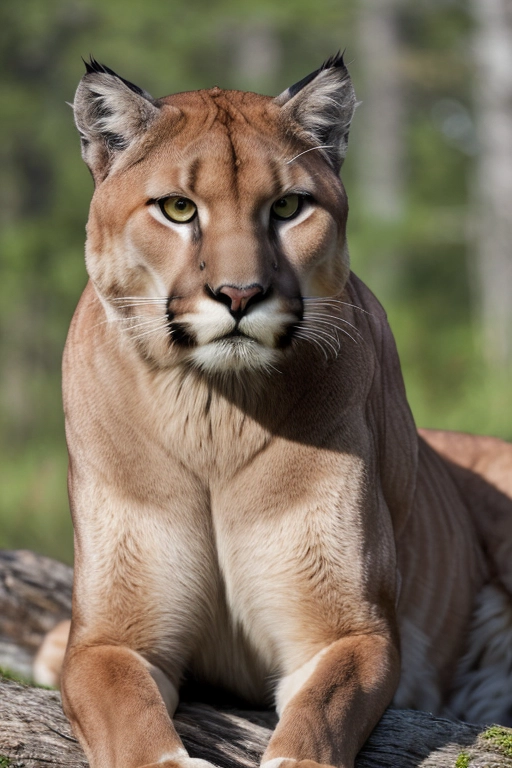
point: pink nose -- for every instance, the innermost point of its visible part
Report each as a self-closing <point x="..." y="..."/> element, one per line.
<point x="240" y="296"/>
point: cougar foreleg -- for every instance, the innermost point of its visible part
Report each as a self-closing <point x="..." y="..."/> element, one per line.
<point x="115" y="702"/>
<point x="331" y="704"/>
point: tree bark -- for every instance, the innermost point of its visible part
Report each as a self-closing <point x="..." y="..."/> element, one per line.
<point x="35" y="595"/>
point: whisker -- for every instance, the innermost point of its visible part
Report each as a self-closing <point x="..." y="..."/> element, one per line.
<point x="121" y="320"/>
<point x="323" y="146"/>
<point x="334" y="302"/>
<point x="163" y="327"/>
<point x="149" y="299"/>
<point x="145" y="323"/>
<point x="322" y="318"/>
<point x="326" y="338"/>
<point x="140" y="304"/>
<point x="342" y="330"/>
<point x="316" y="342"/>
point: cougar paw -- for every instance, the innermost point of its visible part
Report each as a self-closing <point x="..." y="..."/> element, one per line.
<point x="181" y="762"/>
<point x="291" y="763"/>
<point x="311" y="764"/>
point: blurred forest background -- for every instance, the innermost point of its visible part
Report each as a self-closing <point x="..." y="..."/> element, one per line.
<point x="428" y="173"/>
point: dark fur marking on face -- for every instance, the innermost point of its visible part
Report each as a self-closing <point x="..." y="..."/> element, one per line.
<point x="180" y="336"/>
<point x="193" y="174"/>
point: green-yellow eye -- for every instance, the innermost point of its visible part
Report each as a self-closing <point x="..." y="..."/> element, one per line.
<point x="179" y="209"/>
<point x="287" y="207"/>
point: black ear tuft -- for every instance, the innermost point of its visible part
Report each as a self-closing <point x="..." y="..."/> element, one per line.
<point x="92" y="66"/>
<point x="333" y="62"/>
<point x="336" y="60"/>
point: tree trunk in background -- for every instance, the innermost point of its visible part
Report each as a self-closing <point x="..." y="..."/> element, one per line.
<point x="491" y="233"/>
<point x="382" y="113"/>
<point x="257" y="55"/>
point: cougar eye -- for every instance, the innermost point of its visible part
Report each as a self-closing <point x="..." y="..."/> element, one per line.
<point x="287" y="207"/>
<point x="179" y="209"/>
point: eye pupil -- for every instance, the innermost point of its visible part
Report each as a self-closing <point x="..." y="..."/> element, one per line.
<point x="181" y="204"/>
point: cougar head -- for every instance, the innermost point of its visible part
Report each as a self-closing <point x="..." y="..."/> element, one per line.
<point x="216" y="213"/>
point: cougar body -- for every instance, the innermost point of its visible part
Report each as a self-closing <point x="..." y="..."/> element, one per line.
<point x="251" y="501"/>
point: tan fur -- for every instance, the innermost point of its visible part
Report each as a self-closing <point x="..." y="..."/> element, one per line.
<point x="47" y="664"/>
<point x="254" y="510"/>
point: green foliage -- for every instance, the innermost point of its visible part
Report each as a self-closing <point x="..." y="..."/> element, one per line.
<point x="4" y="762"/>
<point x="462" y="760"/>
<point x="418" y="266"/>
<point x="8" y="675"/>
<point x="501" y="738"/>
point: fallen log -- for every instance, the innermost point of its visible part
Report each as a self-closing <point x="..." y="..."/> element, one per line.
<point x="35" y="594"/>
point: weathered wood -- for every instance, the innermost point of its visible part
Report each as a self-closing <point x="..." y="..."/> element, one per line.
<point x="35" y="593"/>
<point x="35" y="733"/>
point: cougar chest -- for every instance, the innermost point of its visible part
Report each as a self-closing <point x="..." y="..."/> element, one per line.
<point x="210" y="434"/>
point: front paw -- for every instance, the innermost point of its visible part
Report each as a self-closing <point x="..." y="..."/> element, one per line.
<point x="288" y="762"/>
<point x="181" y="762"/>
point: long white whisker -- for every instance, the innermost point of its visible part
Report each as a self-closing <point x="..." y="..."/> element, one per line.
<point x="342" y="330"/>
<point x="145" y="323"/>
<point x="331" y="317"/>
<point x="320" y="343"/>
<point x="124" y="320"/>
<point x="321" y="318"/>
<point x="140" y="304"/>
<point x="323" y="146"/>
<point x="331" y="341"/>
<point x="140" y="298"/>
<point x="327" y="338"/>
<point x="313" y="340"/>
<point x="139" y="336"/>
<point x="334" y="302"/>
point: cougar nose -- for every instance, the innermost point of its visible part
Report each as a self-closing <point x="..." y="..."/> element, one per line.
<point x="237" y="298"/>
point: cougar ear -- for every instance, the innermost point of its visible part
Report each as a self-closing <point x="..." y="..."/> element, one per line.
<point x="110" y="113"/>
<point x="323" y="104"/>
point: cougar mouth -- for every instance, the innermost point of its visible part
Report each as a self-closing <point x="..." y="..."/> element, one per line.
<point x="214" y="339"/>
<point x="185" y="338"/>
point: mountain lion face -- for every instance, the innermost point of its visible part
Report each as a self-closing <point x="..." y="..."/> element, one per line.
<point x="216" y="215"/>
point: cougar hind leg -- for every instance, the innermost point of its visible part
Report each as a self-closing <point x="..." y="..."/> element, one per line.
<point x="482" y="470"/>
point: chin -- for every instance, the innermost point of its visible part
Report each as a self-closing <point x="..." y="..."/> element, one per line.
<point x="234" y="355"/>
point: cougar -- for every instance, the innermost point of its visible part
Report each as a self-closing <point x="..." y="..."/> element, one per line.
<point x="253" y="505"/>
